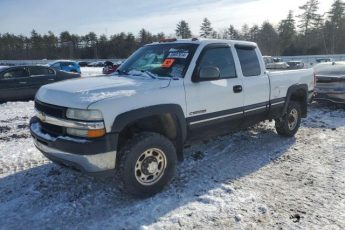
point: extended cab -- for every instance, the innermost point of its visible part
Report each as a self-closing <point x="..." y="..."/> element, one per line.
<point x="138" y="120"/>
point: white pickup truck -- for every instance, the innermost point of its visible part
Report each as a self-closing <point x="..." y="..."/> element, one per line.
<point x="138" y="120"/>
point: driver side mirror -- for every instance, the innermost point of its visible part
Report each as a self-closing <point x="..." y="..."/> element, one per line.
<point x="209" y="73"/>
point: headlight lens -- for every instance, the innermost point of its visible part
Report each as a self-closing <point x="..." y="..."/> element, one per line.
<point x="84" y="115"/>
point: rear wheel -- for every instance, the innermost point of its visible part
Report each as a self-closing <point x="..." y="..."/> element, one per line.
<point x="289" y="124"/>
<point x="146" y="164"/>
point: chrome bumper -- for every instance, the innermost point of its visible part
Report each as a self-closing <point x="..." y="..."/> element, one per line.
<point x="87" y="163"/>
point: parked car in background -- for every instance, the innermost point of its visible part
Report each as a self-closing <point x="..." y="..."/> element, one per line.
<point x="330" y="82"/>
<point x="274" y="63"/>
<point x="96" y="64"/>
<point x="295" y="65"/>
<point x="83" y="63"/>
<point x="65" y="65"/>
<point x="110" y="67"/>
<point x="22" y="82"/>
<point x="320" y="60"/>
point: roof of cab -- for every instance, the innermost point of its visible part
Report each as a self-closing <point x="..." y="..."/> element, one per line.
<point x="202" y="41"/>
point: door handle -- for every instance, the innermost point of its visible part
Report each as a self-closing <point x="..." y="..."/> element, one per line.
<point x="238" y="88"/>
<point x="50" y="79"/>
<point x="22" y="82"/>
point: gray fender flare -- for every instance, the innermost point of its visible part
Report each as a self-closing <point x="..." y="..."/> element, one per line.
<point x="293" y="89"/>
<point x="124" y="119"/>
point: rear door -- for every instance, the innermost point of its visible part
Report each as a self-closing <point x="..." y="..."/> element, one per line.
<point x="215" y="106"/>
<point x="39" y="76"/>
<point x="256" y="85"/>
<point x="14" y="84"/>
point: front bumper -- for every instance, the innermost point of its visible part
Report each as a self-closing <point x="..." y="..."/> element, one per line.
<point x="90" y="156"/>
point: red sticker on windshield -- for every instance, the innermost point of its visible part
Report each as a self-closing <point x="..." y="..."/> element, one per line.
<point x="168" y="63"/>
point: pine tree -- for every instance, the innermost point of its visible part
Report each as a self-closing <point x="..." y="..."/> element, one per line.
<point x="233" y="33"/>
<point x="206" y="30"/>
<point x="245" y="32"/>
<point x="183" y="31"/>
<point x="287" y="33"/>
<point x="309" y="17"/>
<point x="253" y="33"/>
<point x="145" y="37"/>
<point x="267" y="37"/>
<point x="336" y="17"/>
<point x="337" y="13"/>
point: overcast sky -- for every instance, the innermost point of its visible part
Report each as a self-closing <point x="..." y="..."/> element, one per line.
<point x="113" y="16"/>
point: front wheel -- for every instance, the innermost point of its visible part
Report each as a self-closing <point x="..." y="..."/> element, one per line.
<point x="146" y="164"/>
<point x="289" y="124"/>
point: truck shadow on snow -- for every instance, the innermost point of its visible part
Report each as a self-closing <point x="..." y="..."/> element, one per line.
<point x="51" y="196"/>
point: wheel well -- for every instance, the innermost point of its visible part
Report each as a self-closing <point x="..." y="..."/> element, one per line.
<point x="300" y="96"/>
<point x="164" y="124"/>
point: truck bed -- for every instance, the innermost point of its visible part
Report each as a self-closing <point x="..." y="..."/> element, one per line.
<point x="282" y="80"/>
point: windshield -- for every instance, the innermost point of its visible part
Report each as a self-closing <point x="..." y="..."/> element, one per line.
<point x="330" y="69"/>
<point x="162" y="60"/>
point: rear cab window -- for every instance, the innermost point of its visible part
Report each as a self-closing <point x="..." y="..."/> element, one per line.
<point x="249" y="60"/>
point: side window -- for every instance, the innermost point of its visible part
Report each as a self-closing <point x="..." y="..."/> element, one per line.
<point x="15" y="73"/>
<point x="249" y="61"/>
<point x="66" y="64"/>
<point x="56" y="65"/>
<point x="40" y="70"/>
<point x="222" y="58"/>
<point x="35" y="71"/>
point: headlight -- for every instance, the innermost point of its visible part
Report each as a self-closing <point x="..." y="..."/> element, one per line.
<point x="84" y="115"/>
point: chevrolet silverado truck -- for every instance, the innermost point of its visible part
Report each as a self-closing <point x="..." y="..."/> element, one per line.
<point x="135" y="123"/>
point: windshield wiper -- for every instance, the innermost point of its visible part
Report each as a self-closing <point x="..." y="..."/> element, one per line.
<point x="152" y="75"/>
<point x="142" y="73"/>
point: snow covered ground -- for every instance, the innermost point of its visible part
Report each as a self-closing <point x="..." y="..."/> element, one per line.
<point x="251" y="179"/>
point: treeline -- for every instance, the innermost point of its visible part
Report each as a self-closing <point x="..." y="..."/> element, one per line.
<point x="72" y="46"/>
<point x="308" y="33"/>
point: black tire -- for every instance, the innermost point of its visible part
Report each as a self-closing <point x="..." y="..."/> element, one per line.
<point x="288" y="125"/>
<point x="129" y="159"/>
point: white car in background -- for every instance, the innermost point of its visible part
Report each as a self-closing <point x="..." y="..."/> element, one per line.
<point x="274" y="63"/>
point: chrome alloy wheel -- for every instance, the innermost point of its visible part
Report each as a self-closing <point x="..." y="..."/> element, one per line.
<point x="150" y="166"/>
<point x="293" y="119"/>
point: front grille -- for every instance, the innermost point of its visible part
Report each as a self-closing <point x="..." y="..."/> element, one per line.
<point x="51" y="110"/>
<point x="54" y="111"/>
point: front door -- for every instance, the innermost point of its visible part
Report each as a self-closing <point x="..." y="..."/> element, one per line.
<point x="215" y="105"/>
<point x="14" y="84"/>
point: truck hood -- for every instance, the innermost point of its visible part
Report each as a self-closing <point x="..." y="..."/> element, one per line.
<point x="81" y="93"/>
